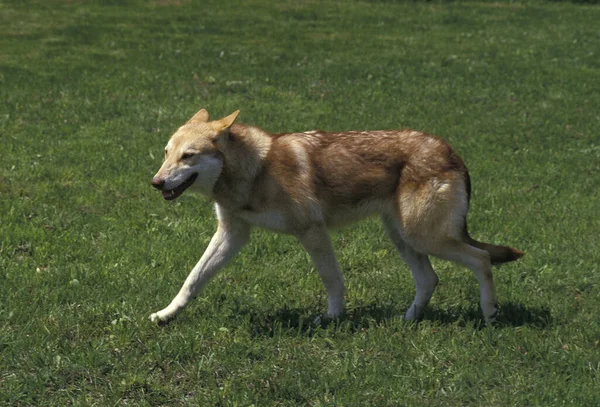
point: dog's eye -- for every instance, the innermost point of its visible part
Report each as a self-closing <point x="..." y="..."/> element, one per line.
<point x="186" y="156"/>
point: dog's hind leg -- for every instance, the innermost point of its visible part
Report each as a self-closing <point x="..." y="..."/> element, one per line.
<point x="226" y="242"/>
<point x="425" y="278"/>
<point x="433" y="222"/>
<point x="317" y="243"/>
<point x="478" y="261"/>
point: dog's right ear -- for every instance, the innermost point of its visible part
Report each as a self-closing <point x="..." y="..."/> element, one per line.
<point x="200" y="117"/>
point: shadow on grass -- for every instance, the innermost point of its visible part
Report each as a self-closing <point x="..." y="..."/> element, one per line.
<point x="511" y="315"/>
<point x="299" y="321"/>
<point x="518" y="315"/>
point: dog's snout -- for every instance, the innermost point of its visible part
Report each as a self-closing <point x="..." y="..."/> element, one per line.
<point x="158" y="182"/>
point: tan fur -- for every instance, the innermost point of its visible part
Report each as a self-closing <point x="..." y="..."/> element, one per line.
<point x="304" y="183"/>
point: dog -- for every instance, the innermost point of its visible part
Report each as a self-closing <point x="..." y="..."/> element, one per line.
<point x="302" y="184"/>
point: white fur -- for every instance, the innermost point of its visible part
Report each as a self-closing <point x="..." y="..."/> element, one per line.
<point x="272" y="220"/>
<point x="425" y="278"/>
<point x="226" y="242"/>
<point x="207" y="167"/>
<point x="318" y="245"/>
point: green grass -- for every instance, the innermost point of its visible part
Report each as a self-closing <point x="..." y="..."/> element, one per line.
<point x="90" y="93"/>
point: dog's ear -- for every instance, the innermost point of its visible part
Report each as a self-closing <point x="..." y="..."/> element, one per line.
<point x="226" y="122"/>
<point x="222" y="126"/>
<point x="200" y="117"/>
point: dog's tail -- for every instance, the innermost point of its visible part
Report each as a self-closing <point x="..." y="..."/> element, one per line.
<point x="498" y="254"/>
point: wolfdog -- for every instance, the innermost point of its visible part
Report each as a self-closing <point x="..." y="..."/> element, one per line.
<point x="305" y="183"/>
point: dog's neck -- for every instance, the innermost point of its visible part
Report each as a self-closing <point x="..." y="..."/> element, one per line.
<point x="243" y="159"/>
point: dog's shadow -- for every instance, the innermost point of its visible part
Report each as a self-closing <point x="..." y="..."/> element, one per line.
<point x="300" y="321"/>
<point x="511" y="315"/>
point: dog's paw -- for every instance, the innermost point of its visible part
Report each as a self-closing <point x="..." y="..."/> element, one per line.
<point x="414" y="313"/>
<point x="325" y="319"/>
<point x="158" y="319"/>
<point x="493" y="315"/>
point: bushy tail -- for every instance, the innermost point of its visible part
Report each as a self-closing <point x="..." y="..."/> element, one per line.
<point x="498" y="254"/>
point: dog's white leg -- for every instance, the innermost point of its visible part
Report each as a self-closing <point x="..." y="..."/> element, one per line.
<point x="226" y="242"/>
<point x="479" y="262"/>
<point x="425" y="282"/>
<point x="318" y="245"/>
<point x="425" y="278"/>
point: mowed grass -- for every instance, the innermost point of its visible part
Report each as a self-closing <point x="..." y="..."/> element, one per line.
<point x="90" y="93"/>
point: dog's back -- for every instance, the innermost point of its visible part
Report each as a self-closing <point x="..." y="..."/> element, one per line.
<point x="341" y="177"/>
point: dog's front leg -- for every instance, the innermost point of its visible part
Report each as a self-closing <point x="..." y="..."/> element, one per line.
<point x="318" y="245"/>
<point x="226" y="243"/>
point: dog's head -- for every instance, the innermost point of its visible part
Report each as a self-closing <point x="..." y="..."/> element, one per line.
<point x="194" y="156"/>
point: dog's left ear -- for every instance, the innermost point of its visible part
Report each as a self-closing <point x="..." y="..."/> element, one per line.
<point x="222" y="127"/>
<point x="226" y="122"/>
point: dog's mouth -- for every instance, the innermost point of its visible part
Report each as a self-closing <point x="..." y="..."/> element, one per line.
<point x="174" y="193"/>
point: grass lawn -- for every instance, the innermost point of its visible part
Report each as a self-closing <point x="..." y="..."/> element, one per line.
<point x="90" y="91"/>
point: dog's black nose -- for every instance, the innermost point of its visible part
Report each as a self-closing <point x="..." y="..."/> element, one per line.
<point x="158" y="182"/>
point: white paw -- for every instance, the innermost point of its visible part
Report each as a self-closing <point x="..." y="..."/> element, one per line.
<point x="414" y="313"/>
<point x="325" y="319"/>
<point x="411" y="314"/>
<point x="160" y="318"/>
<point x="491" y="316"/>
